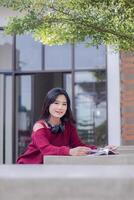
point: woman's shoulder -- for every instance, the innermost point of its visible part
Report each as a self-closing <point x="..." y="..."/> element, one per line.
<point x="39" y="125"/>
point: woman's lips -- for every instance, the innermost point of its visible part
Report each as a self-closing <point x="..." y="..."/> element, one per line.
<point x="59" y="112"/>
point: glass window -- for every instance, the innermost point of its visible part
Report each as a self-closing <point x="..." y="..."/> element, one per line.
<point x="6" y="43"/>
<point x="90" y="57"/>
<point x="91" y="106"/>
<point x="28" y="53"/>
<point x="23" y="109"/>
<point x="42" y="84"/>
<point x="68" y="85"/>
<point x="58" y="57"/>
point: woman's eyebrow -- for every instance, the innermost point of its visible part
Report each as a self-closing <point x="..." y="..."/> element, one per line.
<point x="60" y="101"/>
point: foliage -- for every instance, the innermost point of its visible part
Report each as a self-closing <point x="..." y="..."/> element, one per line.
<point x="62" y="21"/>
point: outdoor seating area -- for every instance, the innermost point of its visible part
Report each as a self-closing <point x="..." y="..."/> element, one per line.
<point x="71" y="178"/>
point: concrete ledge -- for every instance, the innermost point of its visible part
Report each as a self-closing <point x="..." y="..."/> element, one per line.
<point x="123" y="159"/>
<point x="130" y="147"/>
<point x="126" y="149"/>
<point x="54" y="182"/>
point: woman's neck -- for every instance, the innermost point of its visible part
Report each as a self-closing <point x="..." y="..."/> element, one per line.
<point x="54" y="121"/>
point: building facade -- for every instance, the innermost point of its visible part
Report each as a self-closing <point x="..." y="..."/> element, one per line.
<point x="29" y="69"/>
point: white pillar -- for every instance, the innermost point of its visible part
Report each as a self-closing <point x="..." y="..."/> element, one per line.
<point x="113" y="78"/>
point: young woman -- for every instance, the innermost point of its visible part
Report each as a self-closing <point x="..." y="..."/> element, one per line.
<point x="55" y="132"/>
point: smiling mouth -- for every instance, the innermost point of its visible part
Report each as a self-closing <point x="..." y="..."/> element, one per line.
<point x="59" y="112"/>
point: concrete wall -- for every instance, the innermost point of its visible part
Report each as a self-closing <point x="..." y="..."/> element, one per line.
<point x="70" y="182"/>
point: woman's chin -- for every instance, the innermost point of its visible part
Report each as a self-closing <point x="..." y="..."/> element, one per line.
<point x="57" y="116"/>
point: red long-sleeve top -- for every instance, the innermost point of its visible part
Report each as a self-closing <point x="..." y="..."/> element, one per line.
<point x="44" y="142"/>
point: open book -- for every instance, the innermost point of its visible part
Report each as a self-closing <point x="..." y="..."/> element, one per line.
<point x="103" y="151"/>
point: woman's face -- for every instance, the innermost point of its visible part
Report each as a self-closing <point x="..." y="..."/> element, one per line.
<point x="59" y="107"/>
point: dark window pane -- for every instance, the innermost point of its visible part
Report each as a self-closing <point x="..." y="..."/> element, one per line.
<point x="68" y="85"/>
<point x="23" y="112"/>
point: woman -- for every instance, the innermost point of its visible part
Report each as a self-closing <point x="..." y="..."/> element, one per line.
<point x="55" y="132"/>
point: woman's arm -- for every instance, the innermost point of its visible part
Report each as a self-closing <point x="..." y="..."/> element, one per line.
<point x="41" y="141"/>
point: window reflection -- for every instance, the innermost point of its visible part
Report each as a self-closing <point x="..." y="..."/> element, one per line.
<point x="5" y="51"/>
<point x="58" y="57"/>
<point x="68" y="85"/>
<point x="90" y="97"/>
<point x="28" y="53"/>
<point x="90" y="57"/>
<point x="23" y="118"/>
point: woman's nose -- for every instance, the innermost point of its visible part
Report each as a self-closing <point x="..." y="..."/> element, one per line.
<point x="60" y="106"/>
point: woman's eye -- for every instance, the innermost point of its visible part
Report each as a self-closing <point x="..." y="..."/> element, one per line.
<point x="57" y="103"/>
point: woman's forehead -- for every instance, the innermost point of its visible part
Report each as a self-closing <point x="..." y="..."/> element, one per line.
<point x="61" y="98"/>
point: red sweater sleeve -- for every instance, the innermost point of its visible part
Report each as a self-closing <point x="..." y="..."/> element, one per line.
<point x="41" y="141"/>
<point x="75" y="139"/>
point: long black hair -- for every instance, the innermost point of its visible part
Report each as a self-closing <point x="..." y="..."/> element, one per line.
<point x="50" y="98"/>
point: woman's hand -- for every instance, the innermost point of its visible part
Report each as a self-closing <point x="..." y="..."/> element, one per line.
<point x="79" y="151"/>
